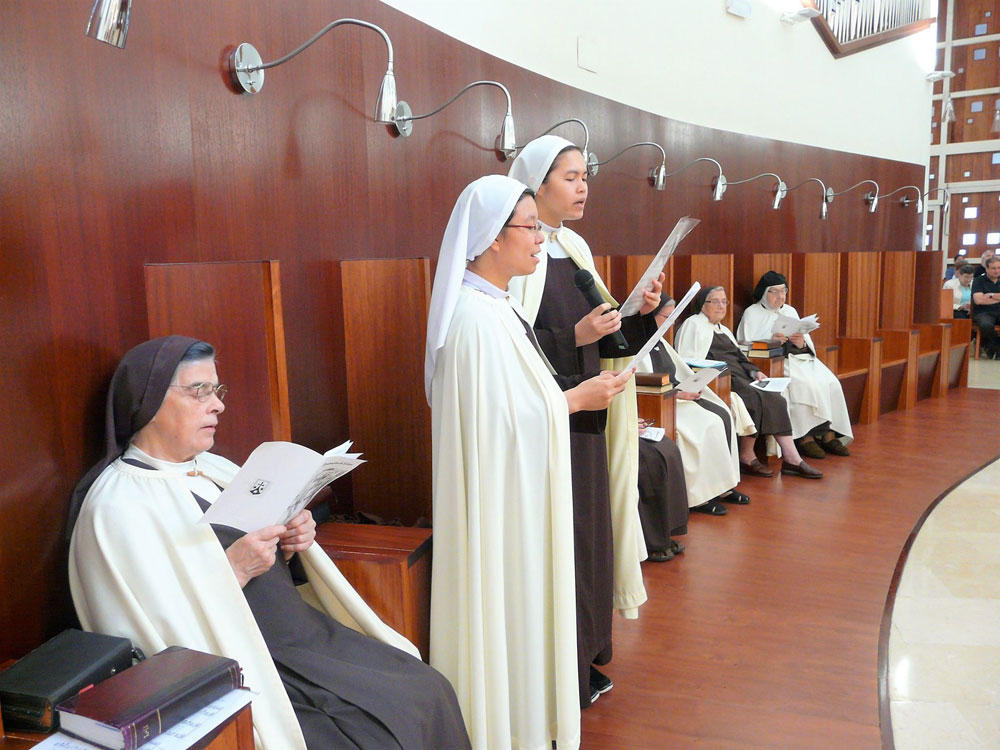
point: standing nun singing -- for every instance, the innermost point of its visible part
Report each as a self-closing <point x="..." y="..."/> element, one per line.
<point x="503" y="620"/>
<point x="607" y="532"/>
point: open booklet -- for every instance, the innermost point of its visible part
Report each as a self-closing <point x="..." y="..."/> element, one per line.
<point x="277" y="481"/>
<point x="634" y="301"/>
<point x="773" y="385"/>
<point x="697" y="382"/>
<point x="654" y="339"/>
<point x="787" y="325"/>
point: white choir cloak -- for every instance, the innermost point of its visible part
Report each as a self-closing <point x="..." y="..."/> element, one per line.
<point x="621" y="434"/>
<point x="814" y="394"/>
<point x="135" y="526"/>
<point x="503" y="605"/>
<point x="711" y="463"/>
<point x="693" y="340"/>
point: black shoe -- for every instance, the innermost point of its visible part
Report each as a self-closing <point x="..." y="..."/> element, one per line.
<point x="809" y="448"/>
<point x="676" y="547"/>
<point x="660" y="555"/>
<point x="734" y="497"/>
<point x="713" y="508"/>
<point x="600" y="683"/>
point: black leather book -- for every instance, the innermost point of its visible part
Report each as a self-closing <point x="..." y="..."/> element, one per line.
<point x="59" y="668"/>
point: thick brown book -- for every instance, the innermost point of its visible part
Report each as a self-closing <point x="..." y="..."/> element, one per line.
<point x="31" y="688"/>
<point x="126" y="711"/>
<point x="765" y="344"/>
<point x="658" y="379"/>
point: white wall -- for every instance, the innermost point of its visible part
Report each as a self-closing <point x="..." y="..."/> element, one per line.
<point x="689" y="60"/>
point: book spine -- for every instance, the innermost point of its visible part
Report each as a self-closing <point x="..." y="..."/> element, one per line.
<point x="189" y="699"/>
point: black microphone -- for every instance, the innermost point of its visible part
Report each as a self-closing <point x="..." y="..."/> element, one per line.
<point x="584" y="281"/>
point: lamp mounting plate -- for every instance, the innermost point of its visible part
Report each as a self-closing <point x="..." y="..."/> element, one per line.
<point x="402" y="121"/>
<point x="246" y="56"/>
<point x="592" y="164"/>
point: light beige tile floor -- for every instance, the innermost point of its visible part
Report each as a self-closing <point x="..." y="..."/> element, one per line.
<point x="944" y="639"/>
<point x="984" y="373"/>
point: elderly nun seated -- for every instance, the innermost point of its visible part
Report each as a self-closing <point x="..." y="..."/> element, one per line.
<point x="330" y="675"/>
<point x="703" y="336"/>
<point x="816" y="405"/>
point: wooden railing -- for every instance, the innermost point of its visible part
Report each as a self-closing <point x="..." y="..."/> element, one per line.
<point x="851" y="26"/>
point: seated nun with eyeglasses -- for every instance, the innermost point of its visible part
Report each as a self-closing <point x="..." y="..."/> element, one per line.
<point x="326" y="671"/>
<point x="705" y="336"/>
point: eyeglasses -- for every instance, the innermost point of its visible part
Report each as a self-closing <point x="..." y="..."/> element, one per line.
<point x="204" y="391"/>
<point x="537" y="227"/>
<point x="717" y="302"/>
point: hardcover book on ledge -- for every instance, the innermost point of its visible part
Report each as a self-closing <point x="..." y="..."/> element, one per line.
<point x="128" y="710"/>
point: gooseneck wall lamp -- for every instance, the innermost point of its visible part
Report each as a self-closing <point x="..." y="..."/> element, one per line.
<point x="780" y="190"/>
<point x="247" y="68"/>
<point x="827" y="195"/>
<point x="945" y="200"/>
<point x="506" y="142"/>
<point x="657" y="175"/>
<point x="109" y="21"/>
<point x="905" y="201"/>
<point x="718" y="186"/>
<point x="871" y="198"/>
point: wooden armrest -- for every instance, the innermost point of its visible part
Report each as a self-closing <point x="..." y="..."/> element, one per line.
<point x="855" y="354"/>
<point x="899" y="344"/>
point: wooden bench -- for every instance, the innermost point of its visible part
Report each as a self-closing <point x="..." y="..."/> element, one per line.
<point x="390" y="568"/>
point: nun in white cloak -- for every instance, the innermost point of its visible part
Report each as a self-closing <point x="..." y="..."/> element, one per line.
<point x="503" y="623"/>
<point x="708" y="447"/>
<point x="815" y="397"/>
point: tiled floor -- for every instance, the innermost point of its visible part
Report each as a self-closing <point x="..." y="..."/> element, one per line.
<point x="944" y="640"/>
<point x="984" y="373"/>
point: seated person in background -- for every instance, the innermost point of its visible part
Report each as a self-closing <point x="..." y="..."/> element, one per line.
<point x="816" y="405"/>
<point x="142" y="567"/>
<point x="663" y="508"/>
<point x="986" y="307"/>
<point x="706" y="435"/>
<point x="961" y="287"/>
<point x="984" y="260"/>
<point x="703" y="336"/>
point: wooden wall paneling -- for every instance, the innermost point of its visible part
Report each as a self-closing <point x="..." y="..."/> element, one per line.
<point x="971" y="74"/>
<point x="863" y="356"/>
<point x="970" y="124"/>
<point x="860" y="294"/>
<point x="384" y="335"/>
<point x="970" y="168"/>
<point x="236" y="307"/>
<point x="747" y="270"/>
<point x="897" y="285"/>
<point x="117" y="158"/>
<point x="708" y="270"/>
<point x="814" y="288"/>
<point x="985" y="221"/>
<point x="972" y="13"/>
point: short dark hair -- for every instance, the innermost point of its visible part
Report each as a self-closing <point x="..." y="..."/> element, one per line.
<point x="965" y="268"/>
<point x="556" y="160"/>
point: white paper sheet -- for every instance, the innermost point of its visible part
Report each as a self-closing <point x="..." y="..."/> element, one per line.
<point x="277" y="481"/>
<point x="653" y="434"/>
<point x="772" y="385"/>
<point x="634" y="301"/>
<point x="787" y="325"/>
<point x="697" y="382"/>
<point x="179" y="737"/>
<point x="648" y="346"/>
